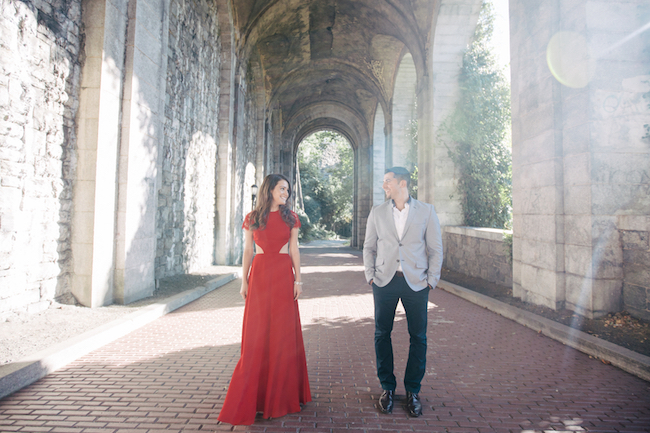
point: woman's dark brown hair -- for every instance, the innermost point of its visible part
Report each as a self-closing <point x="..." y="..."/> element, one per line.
<point x="260" y="215"/>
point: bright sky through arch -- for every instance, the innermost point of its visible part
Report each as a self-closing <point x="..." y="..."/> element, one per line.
<point x="501" y="37"/>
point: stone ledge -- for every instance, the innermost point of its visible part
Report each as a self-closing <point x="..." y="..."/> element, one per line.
<point x="625" y="359"/>
<point x="17" y="375"/>
<point x="478" y="232"/>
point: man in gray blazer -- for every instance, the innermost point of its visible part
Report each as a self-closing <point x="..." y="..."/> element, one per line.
<point x="402" y="256"/>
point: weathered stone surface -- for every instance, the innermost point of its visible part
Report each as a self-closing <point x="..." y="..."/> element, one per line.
<point x="243" y="82"/>
<point x="594" y="134"/>
<point x="36" y="109"/>
<point x="186" y="203"/>
<point x="636" y="300"/>
<point x="478" y="253"/>
<point x="636" y="259"/>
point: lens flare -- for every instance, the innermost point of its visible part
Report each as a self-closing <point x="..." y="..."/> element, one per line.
<point x="568" y="59"/>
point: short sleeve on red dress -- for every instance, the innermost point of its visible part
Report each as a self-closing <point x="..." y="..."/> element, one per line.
<point x="247" y="222"/>
<point x="297" y="223"/>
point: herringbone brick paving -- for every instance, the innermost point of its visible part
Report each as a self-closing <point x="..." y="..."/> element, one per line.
<point x="484" y="373"/>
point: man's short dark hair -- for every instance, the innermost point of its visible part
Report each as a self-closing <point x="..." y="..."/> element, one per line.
<point x="400" y="174"/>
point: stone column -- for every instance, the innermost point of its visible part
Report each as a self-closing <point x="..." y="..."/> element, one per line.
<point x="388" y="133"/>
<point x="142" y="111"/>
<point x="378" y="157"/>
<point x="537" y="159"/>
<point x="579" y="160"/>
<point x="426" y="143"/>
<point x="95" y="189"/>
<point x="363" y="199"/>
<point x="223" y="243"/>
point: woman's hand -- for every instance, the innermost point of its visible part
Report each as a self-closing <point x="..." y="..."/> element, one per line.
<point x="297" y="290"/>
<point x="244" y="289"/>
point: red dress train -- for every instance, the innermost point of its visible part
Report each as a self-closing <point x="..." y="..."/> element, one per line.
<point x="271" y="375"/>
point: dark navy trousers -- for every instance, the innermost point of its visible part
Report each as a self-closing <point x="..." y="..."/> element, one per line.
<point x="415" y="305"/>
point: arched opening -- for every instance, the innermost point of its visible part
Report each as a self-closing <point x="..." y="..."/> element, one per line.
<point x="325" y="186"/>
<point x="404" y="144"/>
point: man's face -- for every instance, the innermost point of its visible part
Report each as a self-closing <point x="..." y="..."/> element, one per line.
<point x="393" y="186"/>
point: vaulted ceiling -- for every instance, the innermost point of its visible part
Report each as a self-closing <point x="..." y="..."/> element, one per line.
<point x="332" y="51"/>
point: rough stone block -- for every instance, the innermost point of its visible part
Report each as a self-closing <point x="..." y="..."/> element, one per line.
<point x="535" y="201"/>
<point x="540" y="228"/>
<point x="86" y="164"/>
<point x="637" y="297"/>
<point x="537" y="149"/>
<point x="538" y="121"/>
<point x="576" y="139"/>
<point x="578" y="260"/>
<point x="633" y="222"/>
<point x="539" y="254"/>
<point x="536" y="175"/>
<point x="496" y="250"/>
<point x="540" y="285"/>
<point x="621" y="168"/>
<point x="576" y="108"/>
<point x="611" y="199"/>
<point x="577" y="230"/>
<point x="607" y="297"/>
<point x="148" y="43"/>
<point x="577" y="169"/>
<point x="578" y="293"/>
<point x="636" y="267"/>
<point x="484" y="248"/>
<point x="577" y="200"/>
<point x="635" y="240"/>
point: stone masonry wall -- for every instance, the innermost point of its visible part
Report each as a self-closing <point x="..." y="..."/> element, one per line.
<point x="477" y="252"/>
<point x="245" y="152"/>
<point x="635" y="242"/>
<point x="186" y="200"/>
<point x="39" y="96"/>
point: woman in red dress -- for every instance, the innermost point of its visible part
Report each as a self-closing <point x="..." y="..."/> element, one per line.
<point x="271" y="375"/>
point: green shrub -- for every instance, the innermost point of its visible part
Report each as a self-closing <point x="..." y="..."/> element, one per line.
<point x="326" y="165"/>
<point x="507" y="245"/>
<point x="479" y="126"/>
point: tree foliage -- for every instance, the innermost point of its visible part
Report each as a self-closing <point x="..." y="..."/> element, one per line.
<point x="412" y="155"/>
<point x="326" y="164"/>
<point x="479" y="126"/>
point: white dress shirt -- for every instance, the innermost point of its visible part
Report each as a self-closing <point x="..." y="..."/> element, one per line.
<point x="400" y="222"/>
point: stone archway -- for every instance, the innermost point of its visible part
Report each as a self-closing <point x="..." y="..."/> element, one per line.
<point x="287" y="66"/>
<point x="342" y="120"/>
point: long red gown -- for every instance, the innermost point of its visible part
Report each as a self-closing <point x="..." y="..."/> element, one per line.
<point x="271" y="375"/>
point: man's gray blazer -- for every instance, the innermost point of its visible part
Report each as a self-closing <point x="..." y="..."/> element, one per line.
<point x="419" y="249"/>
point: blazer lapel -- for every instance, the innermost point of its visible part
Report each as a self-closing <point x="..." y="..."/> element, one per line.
<point x="390" y="219"/>
<point x="413" y="207"/>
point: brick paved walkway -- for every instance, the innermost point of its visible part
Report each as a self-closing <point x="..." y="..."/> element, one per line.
<point x="484" y="374"/>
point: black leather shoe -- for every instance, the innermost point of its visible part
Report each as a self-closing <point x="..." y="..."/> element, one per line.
<point x="413" y="404"/>
<point x="386" y="401"/>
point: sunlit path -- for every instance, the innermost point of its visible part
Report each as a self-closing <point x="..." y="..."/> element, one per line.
<point x="485" y="373"/>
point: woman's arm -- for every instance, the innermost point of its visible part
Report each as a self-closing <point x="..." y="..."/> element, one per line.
<point x="247" y="259"/>
<point x="294" y="252"/>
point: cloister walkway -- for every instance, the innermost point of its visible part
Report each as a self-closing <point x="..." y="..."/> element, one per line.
<point x="485" y="373"/>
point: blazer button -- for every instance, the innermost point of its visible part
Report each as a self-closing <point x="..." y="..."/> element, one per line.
<point x="400" y="245"/>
